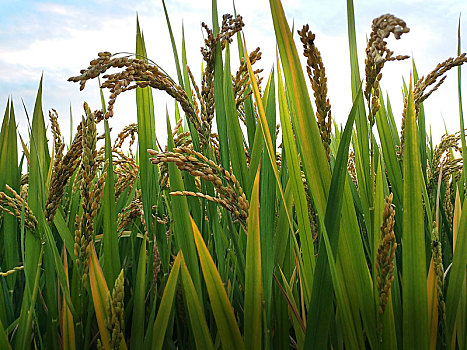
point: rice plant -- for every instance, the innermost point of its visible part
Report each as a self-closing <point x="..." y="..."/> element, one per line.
<point x="260" y="223"/>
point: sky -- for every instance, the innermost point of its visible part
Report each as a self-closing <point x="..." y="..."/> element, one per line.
<point x="58" y="38"/>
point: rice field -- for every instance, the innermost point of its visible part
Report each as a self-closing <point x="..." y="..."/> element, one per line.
<point x="260" y="224"/>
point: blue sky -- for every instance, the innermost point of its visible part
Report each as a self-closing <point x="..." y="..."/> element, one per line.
<point x="58" y="38"/>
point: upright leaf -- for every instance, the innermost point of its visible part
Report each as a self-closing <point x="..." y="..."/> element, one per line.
<point x="253" y="278"/>
<point x="110" y="237"/>
<point x="414" y="296"/>
<point x="222" y="309"/>
<point x="163" y="314"/>
<point x="137" y="327"/>
<point x="100" y="294"/>
<point x="146" y="139"/>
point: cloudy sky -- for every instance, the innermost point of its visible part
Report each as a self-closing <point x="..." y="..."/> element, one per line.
<point x="58" y="38"/>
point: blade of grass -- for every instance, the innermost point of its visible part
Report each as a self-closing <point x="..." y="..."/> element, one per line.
<point x="296" y="183"/>
<point x="461" y="320"/>
<point x="10" y="175"/>
<point x="219" y="94"/>
<point x="321" y="298"/>
<point x="67" y="324"/>
<point x="253" y="278"/>
<point x="4" y="343"/>
<point x="461" y="113"/>
<point x="110" y="238"/>
<point x="182" y="227"/>
<point x="196" y="312"/>
<point x="414" y="295"/>
<point x="268" y="202"/>
<point x="163" y="314"/>
<point x="146" y="140"/>
<point x="236" y="148"/>
<point x="174" y="47"/>
<point x="222" y="309"/>
<point x="137" y="326"/>
<point x="361" y="121"/>
<point x="456" y="274"/>
<point x="100" y="294"/>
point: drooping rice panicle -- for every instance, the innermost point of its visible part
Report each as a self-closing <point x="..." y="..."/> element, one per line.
<point x="377" y="54"/>
<point x="317" y="74"/>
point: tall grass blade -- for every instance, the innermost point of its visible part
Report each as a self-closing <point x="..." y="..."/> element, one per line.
<point x="67" y="324"/>
<point x="10" y="176"/>
<point x="268" y="200"/>
<point x="414" y="296"/>
<point x="219" y="94"/>
<point x="253" y="278"/>
<point x="360" y="119"/>
<point x="146" y="140"/>
<point x="456" y="274"/>
<point x="110" y="236"/>
<point x="137" y="327"/>
<point x="296" y="183"/>
<point x="222" y="309"/>
<point x="321" y="303"/>
<point x="4" y="343"/>
<point x="163" y="315"/>
<point x="461" y="113"/>
<point x="181" y="218"/>
<point x="174" y="47"/>
<point x="311" y="149"/>
<point x="236" y="148"/>
<point x="198" y="322"/>
<point x="461" y="320"/>
<point x="100" y="294"/>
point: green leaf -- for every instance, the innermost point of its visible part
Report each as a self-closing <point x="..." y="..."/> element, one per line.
<point x="4" y="343"/>
<point x="461" y="113"/>
<point x="457" y="274"/>
<point x="137" y="326"/>
<point x="268" y="200"/>
<point x="110" y="236"/>
<point x="311" y="149"/>
<point x="253" y="278"/>
<point x="297" y="188"/>
<point x="222" y="309"/>
<point x="196" y="312"/>
<point x="236" y="148"/>
<point x="146" y="140"/>
<point x="9" y="175"/>
<point x="414" y="297"/>
<point x="100" y="294"/>
<point x="181" y="217"/>
<point x="174" y="47"/>
<point x="163" y="314"/>
<point x="321" y="298"/>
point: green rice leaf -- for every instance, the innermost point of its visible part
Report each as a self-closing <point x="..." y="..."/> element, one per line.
<point x="110" y="237"/>
<point x="222" y="309"/>
<point x="456" y="274"/>
<point x="253" y="278"/>
<point x="414" y="297"/>
<point x="146" y="140"/>
<point x="236" y="148"/>
<point x="137" y="326"/>
<point x="196" y="312"/>
<point x="163" y="315"/>
<point x="9" y="175"/>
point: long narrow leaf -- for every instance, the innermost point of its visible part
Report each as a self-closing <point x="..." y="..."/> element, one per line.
<point x="163" y="315"/>
<point x="414" y="295"/>
<point x="223" y="314"/>
<point x="100" y="294"/>
<point x="253" y="278"/>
